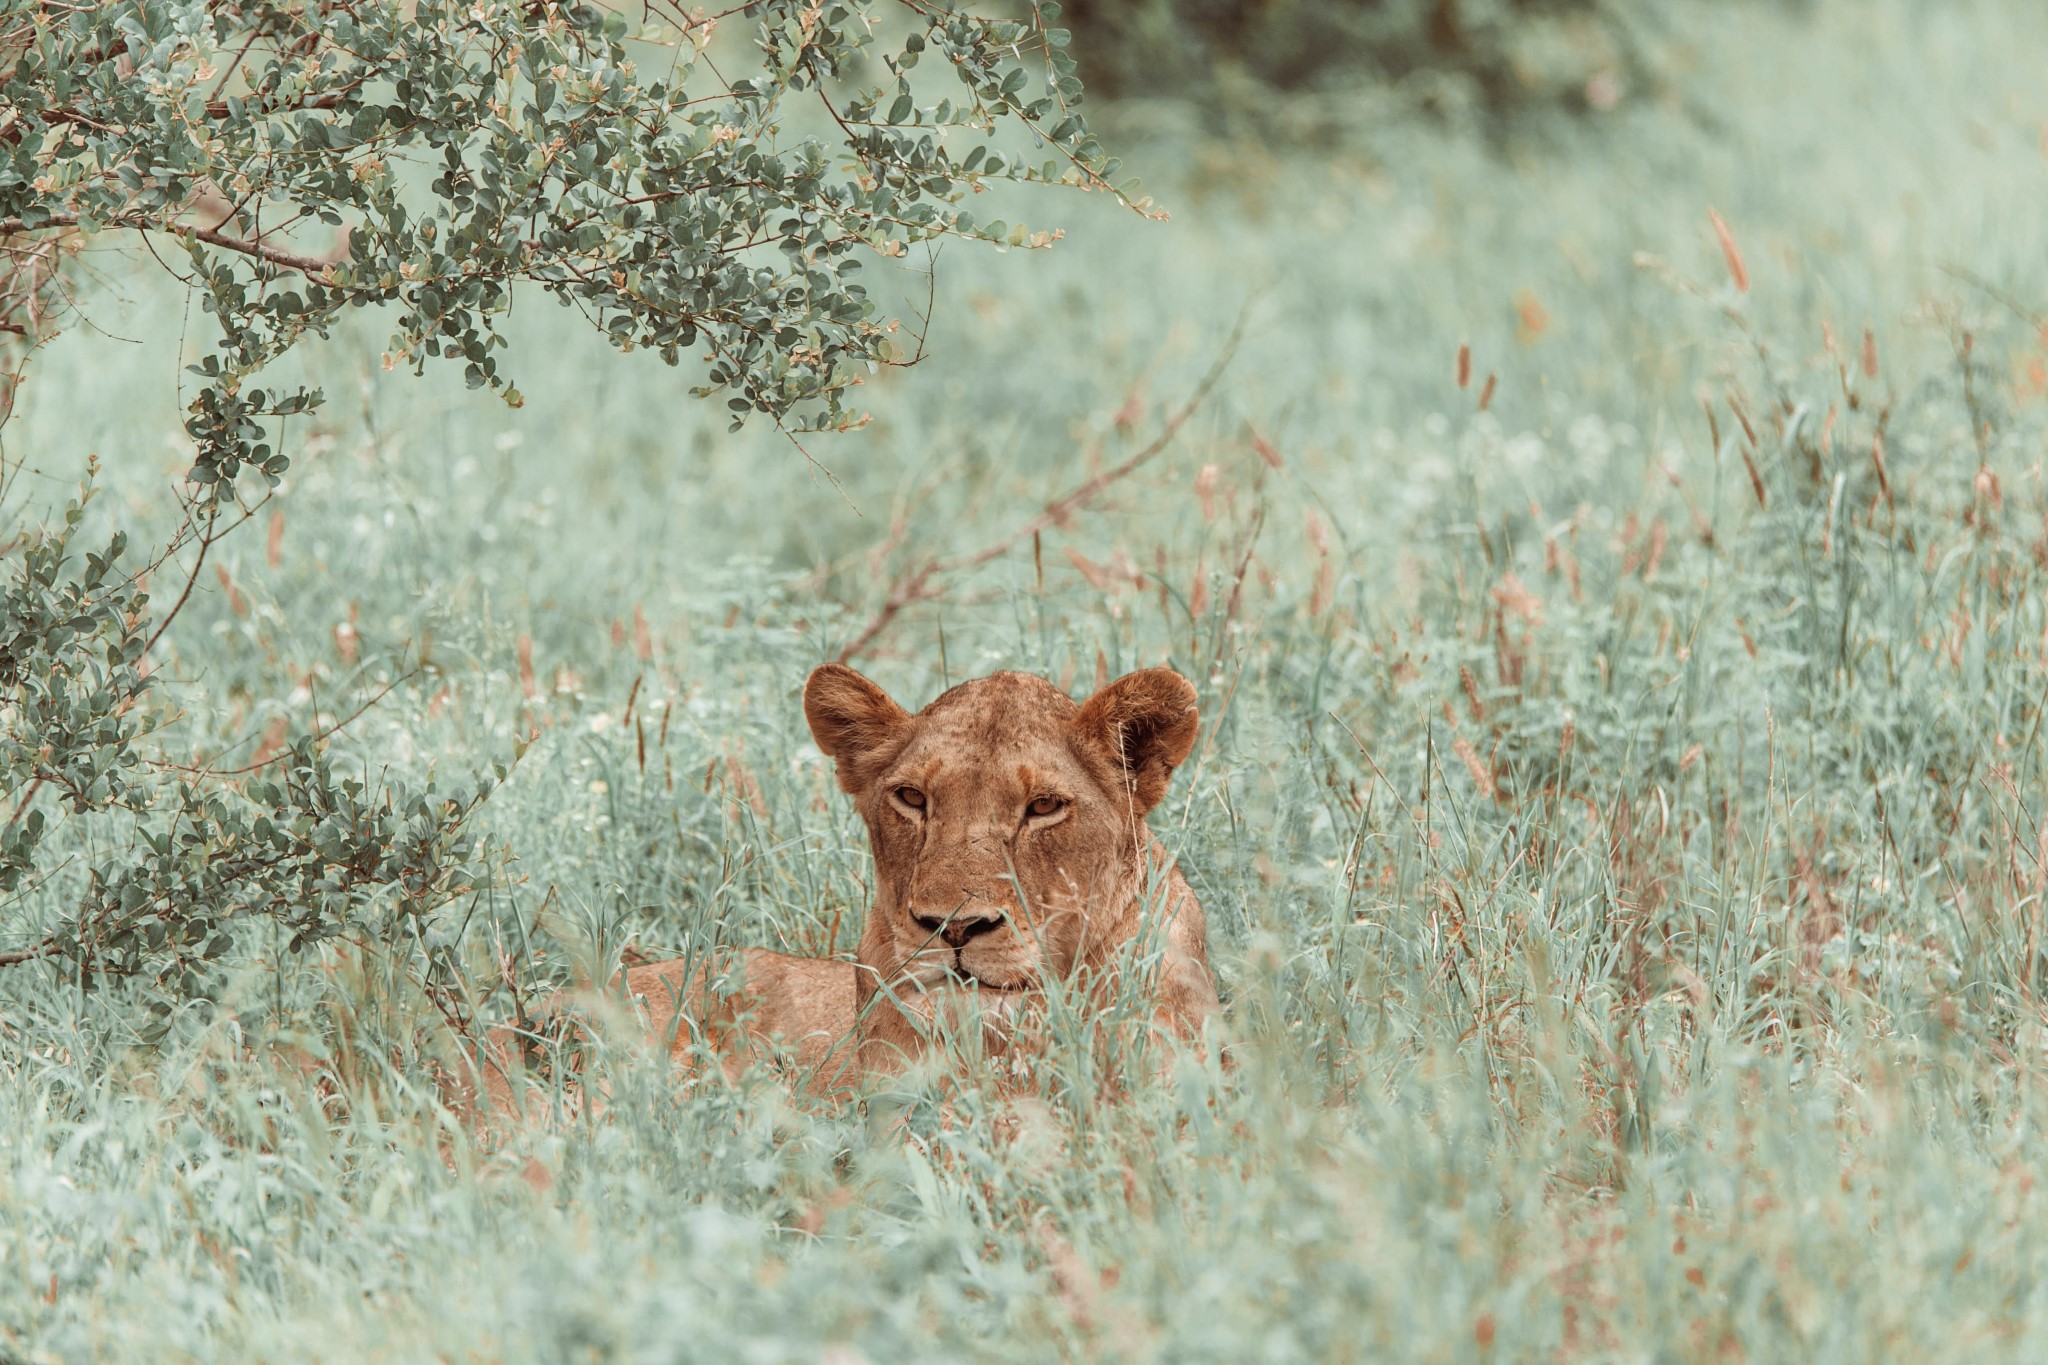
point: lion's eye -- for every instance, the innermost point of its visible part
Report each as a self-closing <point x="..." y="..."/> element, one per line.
<point x="911" y="797"/>
<point x="1045" y="805"/>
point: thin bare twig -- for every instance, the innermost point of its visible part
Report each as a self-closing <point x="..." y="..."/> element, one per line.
<point x="319" y="735"/>
<point x="26" y="801"/>
<point x="918" y="585"/>
<point x="2004" y="296"/>
<point x="206" y="539"/>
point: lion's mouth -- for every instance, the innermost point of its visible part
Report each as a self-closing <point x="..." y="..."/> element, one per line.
<point x="982" y="983"/>
<point x="933" y="976"/>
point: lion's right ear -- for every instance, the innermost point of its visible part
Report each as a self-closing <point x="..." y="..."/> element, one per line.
<point x="852" y="719"/>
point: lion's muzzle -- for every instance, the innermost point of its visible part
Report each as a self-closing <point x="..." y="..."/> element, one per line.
<point x="963" y="925"/>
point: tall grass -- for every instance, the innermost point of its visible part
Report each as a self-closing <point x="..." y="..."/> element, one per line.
<point x="1619" y="810"/>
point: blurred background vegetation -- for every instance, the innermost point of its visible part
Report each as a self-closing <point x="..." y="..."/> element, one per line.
<point x="1510" y="62"/>
<point x="1508" y="56"/>
<point x="1615" y="565"/>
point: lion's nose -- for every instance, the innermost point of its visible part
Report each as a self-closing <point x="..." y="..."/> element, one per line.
<point x="959" y="927"/>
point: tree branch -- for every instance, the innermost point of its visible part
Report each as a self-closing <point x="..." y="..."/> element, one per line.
<point x="20" y="955"/>
<point x="916" y="585"/>
<point x="291" y="260"/>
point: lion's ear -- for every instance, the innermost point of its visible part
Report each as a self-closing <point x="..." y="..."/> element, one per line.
<point x="851" y="719"/>
<point x="1144" y="724"/>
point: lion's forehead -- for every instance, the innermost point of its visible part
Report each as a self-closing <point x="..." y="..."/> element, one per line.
<point x="1002" y="704"/>
<point x="1002" y="763"/>
<point x="1008" y="732"/>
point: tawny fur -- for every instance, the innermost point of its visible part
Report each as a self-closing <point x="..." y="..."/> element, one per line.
<point x="1008" y="830"/>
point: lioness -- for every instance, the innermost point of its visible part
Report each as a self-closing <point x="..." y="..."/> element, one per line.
<point x="1008" y="831"/>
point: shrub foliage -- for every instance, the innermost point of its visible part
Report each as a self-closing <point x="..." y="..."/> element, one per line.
<point x="464" y="149"/>
<point x="295" y="160"/>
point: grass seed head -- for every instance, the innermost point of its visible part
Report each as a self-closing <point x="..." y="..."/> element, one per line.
<point x="1732" y="254"/>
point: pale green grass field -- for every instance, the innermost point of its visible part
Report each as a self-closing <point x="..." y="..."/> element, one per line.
<point x="1627" y="897"/>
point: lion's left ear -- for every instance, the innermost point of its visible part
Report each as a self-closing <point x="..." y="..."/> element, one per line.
<point x="1144" y="725"/>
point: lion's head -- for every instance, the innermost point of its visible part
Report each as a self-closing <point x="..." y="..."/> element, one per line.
<point x="1007" y="822"/>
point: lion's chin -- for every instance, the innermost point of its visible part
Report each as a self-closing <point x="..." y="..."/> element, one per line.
<point x="1016" y="985"/>
<point x="926" y="974"/>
